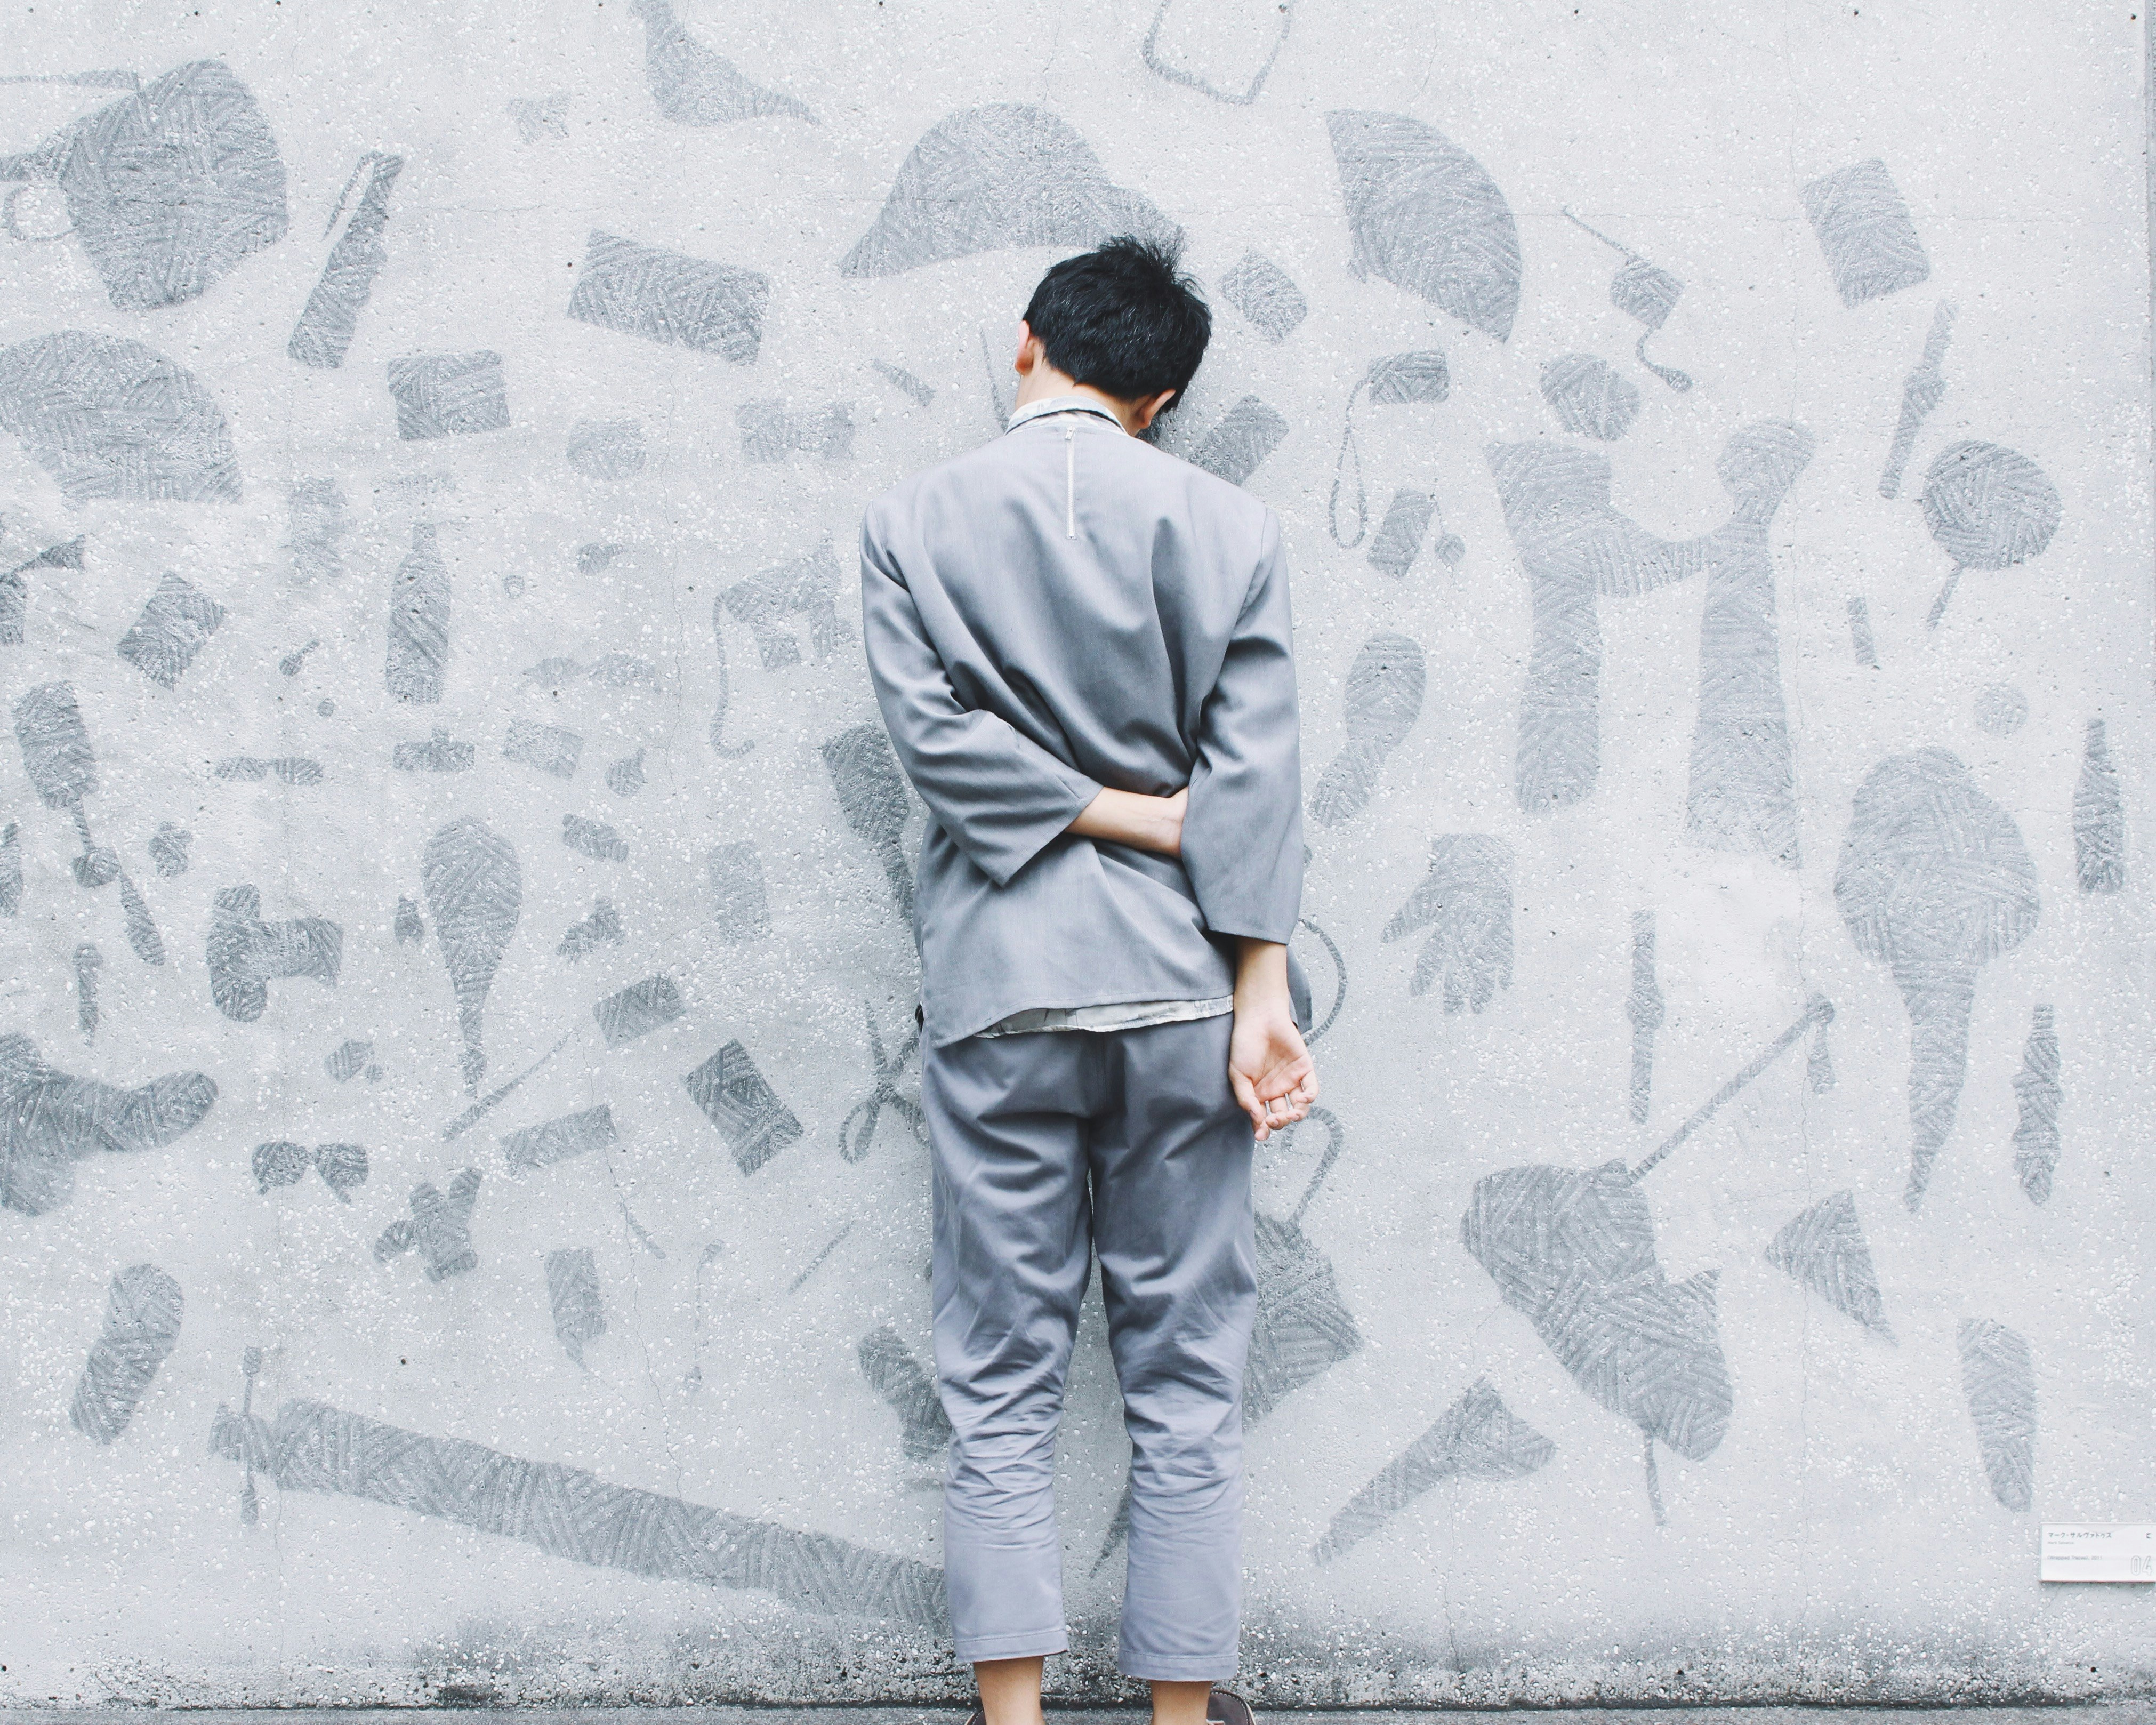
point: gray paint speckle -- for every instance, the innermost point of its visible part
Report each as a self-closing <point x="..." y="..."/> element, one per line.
<point x="1575" y="545"/>
<point x="893" y="1372"/>
<point x="638" y="1010"/>
<point x="874" y="797"/>
<point x="314" y="511"/>
<point x="418" y="621"/>
<point x="342" y="1167"/>
<point x="1643" y="1007"/>
<point x="1400" y="534"/>
<point x="1646" y="293"/>
<point x="1861" y="646"/>
<point x="777" y="602"/>
<point x="439" y="752"/>
<point x="1922" y="391"/>
<point x="603" y="924"/>
<point x="1989" y="508"/>
<point x="609" y="450"/>
<point x="1224" y="48"/>
<point x="553" y="749"/>
<point x="770" y="434"/>
<point x="2099" y="817"/>
<point x="1589" y="395"/>
<point x="1247" y="433"/>
<point x="594" y="839"/>
<point x="2001" y="709"/>
<point x="323" y="335"/>
<point x="739" y="904"/>
<point x="439" y="1227"/>
<point x="88" y="962"/>
<point x="695" y="86"/>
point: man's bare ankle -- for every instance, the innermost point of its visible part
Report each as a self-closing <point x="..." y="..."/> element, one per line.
<point x="1009" y="1691"/>
<point x="1179" y="1703"/>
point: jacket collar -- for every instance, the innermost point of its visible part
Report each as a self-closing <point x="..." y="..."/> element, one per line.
<point x="1060" y="404"/>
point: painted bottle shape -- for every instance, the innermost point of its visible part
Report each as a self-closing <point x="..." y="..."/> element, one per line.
<point x="419" y="621"/>
<point x="2099" y="818"/>
<point x="325" y="330"/>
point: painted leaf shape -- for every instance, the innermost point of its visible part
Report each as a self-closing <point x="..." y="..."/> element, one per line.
<point x="1426" y="216"/>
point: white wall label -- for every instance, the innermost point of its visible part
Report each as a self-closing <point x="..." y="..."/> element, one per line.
<point x="2098" y="1551"/>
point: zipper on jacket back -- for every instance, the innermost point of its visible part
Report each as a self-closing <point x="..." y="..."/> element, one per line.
<point x="1070" y="481"/>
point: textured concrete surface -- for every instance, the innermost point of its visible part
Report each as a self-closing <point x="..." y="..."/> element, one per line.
<point x="462" y="1221"/>
<point x="2098" y="1713"/>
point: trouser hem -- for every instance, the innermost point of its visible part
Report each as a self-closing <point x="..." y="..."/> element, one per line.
<point x="1035" y="1643"/>
<point x="1177" y="1670"/>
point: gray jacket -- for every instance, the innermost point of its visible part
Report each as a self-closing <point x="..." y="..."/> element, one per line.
<point x="1066" y="608"/>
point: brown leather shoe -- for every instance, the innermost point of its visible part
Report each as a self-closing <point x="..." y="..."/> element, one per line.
<point x="1224" y="1707"/>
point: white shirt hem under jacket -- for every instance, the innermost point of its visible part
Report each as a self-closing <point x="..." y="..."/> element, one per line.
<point x="1131" y="1015"/>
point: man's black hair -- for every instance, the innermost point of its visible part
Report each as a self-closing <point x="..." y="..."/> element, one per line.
<point x="1121" y="319"/>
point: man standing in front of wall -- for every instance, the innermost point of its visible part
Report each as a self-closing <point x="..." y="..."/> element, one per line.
<point x="1081" y="648"/>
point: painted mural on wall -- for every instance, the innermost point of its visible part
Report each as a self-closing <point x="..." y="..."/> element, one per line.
<point x="556" y="893"/>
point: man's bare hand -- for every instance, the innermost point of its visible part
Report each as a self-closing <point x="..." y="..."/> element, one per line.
<point x="1270" y="1070"/>
<point x="1144" y="822"/>
<point x="1271" y="1073"/>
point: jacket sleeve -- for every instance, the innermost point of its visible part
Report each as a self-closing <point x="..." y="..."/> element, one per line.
<point x="1242" y="831"/>
<point x="998" y="794"/>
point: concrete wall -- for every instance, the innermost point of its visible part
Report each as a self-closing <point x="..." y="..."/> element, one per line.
<point x="457" y="1000"/>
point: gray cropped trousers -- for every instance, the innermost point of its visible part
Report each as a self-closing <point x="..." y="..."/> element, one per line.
<point x="1048" y="1148"/>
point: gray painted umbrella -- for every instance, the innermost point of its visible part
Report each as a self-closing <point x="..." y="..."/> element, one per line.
<point x="1574" y="1249"/>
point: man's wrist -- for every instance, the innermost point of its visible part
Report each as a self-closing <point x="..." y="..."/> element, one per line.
<point x="1130" y="817"/>
<point x="1261" y="970"/>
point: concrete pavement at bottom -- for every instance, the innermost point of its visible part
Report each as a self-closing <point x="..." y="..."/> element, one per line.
<point x="2115" y="1713"/>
